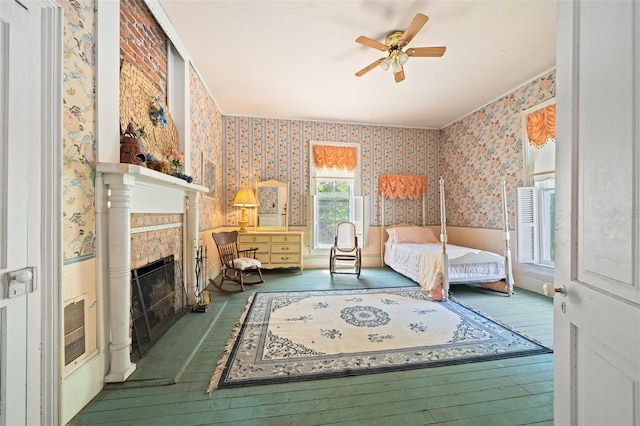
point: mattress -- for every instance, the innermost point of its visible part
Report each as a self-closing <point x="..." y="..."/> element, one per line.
<point x="406" y="259"/>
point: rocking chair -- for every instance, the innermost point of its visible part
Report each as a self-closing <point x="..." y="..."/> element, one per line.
<point x="345" y="251"/>
<point x="236" y="264"/>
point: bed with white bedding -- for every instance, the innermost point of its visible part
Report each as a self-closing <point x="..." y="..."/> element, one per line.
<point x="416" y="252"/>
<point x="423" y="263"/>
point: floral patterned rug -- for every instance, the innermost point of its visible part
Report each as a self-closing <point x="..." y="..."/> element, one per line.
<point x="296" y="336"/>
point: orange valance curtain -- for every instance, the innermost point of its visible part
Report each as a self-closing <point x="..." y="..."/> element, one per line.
<point x="541" y="126"/>
<point x="335" y="157"/>
<point x="403" y="186"/>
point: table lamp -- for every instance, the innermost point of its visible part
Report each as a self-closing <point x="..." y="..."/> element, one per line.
<point x="244" y="198"/>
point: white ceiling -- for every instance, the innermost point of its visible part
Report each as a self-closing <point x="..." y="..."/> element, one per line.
<point x="296" y="59"/>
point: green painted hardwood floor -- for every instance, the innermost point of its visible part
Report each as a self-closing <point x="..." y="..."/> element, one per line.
<point x="169" y="385"/>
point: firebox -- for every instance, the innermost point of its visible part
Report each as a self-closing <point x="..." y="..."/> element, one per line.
<point x="158" y="300"/>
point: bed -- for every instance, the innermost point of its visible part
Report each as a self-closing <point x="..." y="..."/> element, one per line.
<point x="416" y="252"/>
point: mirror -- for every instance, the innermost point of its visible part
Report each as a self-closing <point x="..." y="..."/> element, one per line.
<point x="272" y="205"/>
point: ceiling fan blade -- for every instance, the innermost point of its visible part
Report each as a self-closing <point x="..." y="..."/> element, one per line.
<point x="399" y="76"/>
<point x="369" y="67"/>
<point x="426" y="51"/>
<point x="369" y="42"/>
<point x="416" y="24"/>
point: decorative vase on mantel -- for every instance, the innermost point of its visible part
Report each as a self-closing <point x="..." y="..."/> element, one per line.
<point x="131" y="148"/>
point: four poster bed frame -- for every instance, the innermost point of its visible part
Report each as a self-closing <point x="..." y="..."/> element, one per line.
<point x="478" y="266"/>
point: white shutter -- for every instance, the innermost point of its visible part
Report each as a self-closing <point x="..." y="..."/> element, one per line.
<point x="311" y="227"/>
<point x="366" y="221"/>
<point x="527" y="235"/>
<point x="358" y="218"/>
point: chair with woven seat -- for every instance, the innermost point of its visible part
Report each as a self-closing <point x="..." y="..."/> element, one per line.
<point x="345" y="257"/>
<point x="236" y="264"/>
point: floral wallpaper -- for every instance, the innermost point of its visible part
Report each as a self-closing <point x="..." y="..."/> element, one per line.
<point x="477" y="152"/>
<point x="79" y="159"/>
<point x="257" y="149"/>
<point x="206" y="142"/>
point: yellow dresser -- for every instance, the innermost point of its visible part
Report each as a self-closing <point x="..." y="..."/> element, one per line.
<point x="278" y="249"/>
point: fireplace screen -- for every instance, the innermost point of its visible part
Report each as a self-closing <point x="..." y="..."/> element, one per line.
<point x="158" y="300"/>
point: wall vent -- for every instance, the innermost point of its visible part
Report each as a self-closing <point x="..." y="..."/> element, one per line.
<point x="74" y="337"/>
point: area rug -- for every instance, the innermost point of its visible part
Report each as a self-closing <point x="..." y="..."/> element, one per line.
<point x="296" y="336"/>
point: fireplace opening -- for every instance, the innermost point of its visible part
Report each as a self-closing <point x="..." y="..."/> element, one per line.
<point x="158" y="300"/>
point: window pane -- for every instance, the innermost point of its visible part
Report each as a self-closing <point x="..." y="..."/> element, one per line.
<point x="333" y="189"/>
<point x="552" y="220"/>
<point x="547" y="229"/>
<point x="324" y="188"/>
<point x="342" y="210"/>
<point x="342" y="189"/>
<point x="325" y="223"/>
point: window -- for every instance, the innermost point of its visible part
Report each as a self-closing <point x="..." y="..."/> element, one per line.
<point x="335" y="191"/>
<point x="536" y="203"/>
<point x="333" y="205"/>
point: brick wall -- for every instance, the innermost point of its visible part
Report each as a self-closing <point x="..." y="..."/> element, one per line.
<point x="143" y="43"/>
<point x="152" y="245"/>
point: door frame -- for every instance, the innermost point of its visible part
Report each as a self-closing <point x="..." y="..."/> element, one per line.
<point x="50" y="275"/>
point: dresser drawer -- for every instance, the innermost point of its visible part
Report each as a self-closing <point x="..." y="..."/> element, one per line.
<point x="285" y="258"/>
<point x="262" y="247"/>
<point x="248" y="239"/>
<point x="285" y="238"/>
<point x="285" y="248"/>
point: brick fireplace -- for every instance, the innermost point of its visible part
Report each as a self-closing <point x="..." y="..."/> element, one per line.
<point x="147" y="215"/>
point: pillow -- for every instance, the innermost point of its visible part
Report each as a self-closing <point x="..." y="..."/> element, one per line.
<point x="412" y="234"/>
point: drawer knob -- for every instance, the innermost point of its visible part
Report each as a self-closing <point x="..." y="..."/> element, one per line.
<point x="284" y="258"/>
<point x="285" y="239"/>
<point x="285" y="248"/>
<point x="253" y="239"/>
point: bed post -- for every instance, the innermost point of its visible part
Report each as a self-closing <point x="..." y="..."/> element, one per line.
<point x="382" y="230"/>
<point x="507" y="250"/>
<point x="443" y="239"/>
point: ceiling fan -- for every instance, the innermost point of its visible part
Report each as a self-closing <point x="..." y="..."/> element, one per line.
<point x="394" y="43"/>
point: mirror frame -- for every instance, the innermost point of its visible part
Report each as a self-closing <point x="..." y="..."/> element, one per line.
<point x="283" y="204"/>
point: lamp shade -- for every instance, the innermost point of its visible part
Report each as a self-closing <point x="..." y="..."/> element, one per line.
<point x="245" y="198"/>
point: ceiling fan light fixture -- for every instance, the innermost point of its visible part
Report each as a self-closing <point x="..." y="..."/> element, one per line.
<point x="403" y="58"/>
<point x="397" y="67"/>
<point x="386" y="63"/>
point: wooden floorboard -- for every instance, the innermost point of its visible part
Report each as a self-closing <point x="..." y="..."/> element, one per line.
<point x="510" y="391"/>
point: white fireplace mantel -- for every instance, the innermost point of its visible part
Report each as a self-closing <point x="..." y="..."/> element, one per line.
<point x="126" y="189"/>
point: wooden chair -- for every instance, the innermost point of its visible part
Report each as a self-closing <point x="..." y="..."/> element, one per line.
<point x="345" y="250"/>
<point x="236" y="264"/>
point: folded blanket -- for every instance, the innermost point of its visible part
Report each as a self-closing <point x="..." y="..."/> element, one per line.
<point x="430" y="271"/>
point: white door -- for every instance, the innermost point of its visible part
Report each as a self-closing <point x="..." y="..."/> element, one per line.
<point x="20" y="318"/>
<point x="597" y="323"/>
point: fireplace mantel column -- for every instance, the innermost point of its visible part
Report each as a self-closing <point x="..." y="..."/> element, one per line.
<point x="119" y="221"/>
